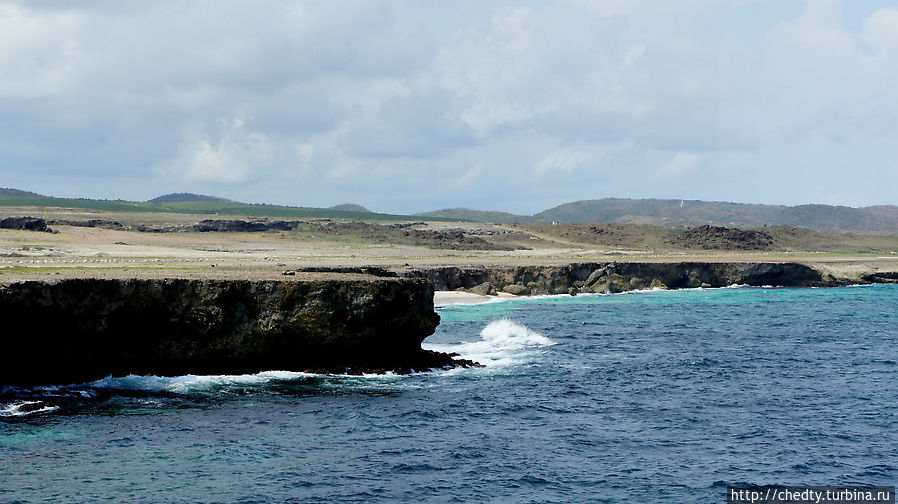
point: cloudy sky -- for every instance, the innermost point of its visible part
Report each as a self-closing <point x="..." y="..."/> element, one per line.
<point x="419" y="105"/>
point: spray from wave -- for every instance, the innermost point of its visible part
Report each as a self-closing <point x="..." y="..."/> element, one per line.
<point x="23" y="408"/>
<point x="193" y="383"/>
<point x="502" y="342"/>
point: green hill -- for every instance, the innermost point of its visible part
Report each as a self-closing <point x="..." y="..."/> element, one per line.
<point x="6" y="192"/>
<point x="194" y="204"/>
<point x="841" y="219"/>
<point x="349" y="207"/>
<point x="182" y="197"/>
<point x="688" y="213"/>
<point x="466" y="214"/>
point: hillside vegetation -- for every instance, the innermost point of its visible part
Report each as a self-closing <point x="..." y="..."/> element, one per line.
<point x="350" y="207"/>
<point x="466" y="214"/>
<point x="6" y="192"/>
<point x="660" y="238"/>
<point x="677" y="213"/>
<point x="192" y="204"/>
<point x="881" y="219"/>
<point x="183" y="197"/>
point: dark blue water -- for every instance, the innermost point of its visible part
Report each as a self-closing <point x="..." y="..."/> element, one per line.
<point x="640" y="397"/>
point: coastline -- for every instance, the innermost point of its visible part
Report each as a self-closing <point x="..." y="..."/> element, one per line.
<point x="344" y="320"/>
<point x="80" y="330"/>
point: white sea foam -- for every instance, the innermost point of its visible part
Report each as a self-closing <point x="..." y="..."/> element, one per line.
<point x="189" y="384"/>
<point x="502" y="342"/>
<point x="192" y="383"/>
<point x="20" y="409"/>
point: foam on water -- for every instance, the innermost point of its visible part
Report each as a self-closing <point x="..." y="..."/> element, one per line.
<point x="23" y="408"/>
<point x="203" y="384"/>
<point x="502" y="342"/>
<point x="193" y="383"/>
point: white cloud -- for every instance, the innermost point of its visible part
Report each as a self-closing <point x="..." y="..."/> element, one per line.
<point x="364" y="101"/>
<point x="880" y="30"/>
<point x="682" y="163"/>
<point x="230" y="159"/>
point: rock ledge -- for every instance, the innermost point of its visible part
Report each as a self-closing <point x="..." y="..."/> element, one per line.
<point x="79" y="330"/>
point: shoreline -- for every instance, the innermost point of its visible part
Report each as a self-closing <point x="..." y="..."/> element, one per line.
<point x="80" y="330"/>
<point x="333" y="319"/>
<point x="450" y="298"/>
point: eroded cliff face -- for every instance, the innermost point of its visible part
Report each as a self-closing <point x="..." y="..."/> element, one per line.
<point x="621" y="276"/>
<point x="80" y="330"/>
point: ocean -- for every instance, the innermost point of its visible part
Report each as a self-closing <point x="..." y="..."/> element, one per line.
<point x="657" y="396"/>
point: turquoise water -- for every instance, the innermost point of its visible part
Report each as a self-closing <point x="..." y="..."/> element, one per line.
<point x="637" y="397"/>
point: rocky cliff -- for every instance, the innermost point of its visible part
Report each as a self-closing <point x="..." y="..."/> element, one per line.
<point x="83" y="329"/>
<point x="622" y="276"/>
<point x="611" y="277"/>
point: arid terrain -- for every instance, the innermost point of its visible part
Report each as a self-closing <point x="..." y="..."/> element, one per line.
<point x="110" y="244"/>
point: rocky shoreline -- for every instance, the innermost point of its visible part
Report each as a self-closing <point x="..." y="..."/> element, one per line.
<point x="613" y="277"/>
<point x="317" y="319"/>
<point x="616" y="276"/>
<point x="79" y="330"/>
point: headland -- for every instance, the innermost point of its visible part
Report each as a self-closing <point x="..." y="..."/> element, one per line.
<point x="103" y="294"/>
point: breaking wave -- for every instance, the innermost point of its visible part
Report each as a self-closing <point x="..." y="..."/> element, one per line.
<point x="502" y="342"/>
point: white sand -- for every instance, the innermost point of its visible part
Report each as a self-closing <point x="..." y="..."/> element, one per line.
<point x="444" y="298"/>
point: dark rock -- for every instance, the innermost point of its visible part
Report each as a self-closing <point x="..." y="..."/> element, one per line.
<point x="32" y="406"/>
<point x="242" y="226"/>
<point x="80" y="330"/>
<point x="722" y="238"/>
<point x="619" y="276"/>
<point x="24" y="224"/>
<point x="405" y="234"/>
<point x="882" y="277"/>
<point x="92" y="223"/>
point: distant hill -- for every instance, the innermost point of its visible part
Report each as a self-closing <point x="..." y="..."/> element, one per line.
<point x="6" y="192"/>
<point x="192" y="204"/>
<point x="349" y="207"/>
<point x="466" y="214"/>
<point x="840" y="219"/>
<point x="184" y="196"/>
<point x="689" y="213"/>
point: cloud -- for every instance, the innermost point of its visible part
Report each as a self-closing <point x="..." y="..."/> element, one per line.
<point x="682" y="163"/>
<point x="306" y="102"/>
<point x="230" y="158"/>
<point x="880" y="30"/>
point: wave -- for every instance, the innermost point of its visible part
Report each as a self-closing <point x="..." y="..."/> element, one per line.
<point x="23" y="408"/>
<point x="193" y="383"/>
<point x="502" y="342"/>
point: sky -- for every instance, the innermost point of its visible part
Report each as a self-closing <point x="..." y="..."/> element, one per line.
<point x="410" y="106"/>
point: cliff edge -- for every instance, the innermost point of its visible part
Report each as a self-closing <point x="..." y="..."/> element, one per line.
<point x="79" y="330"/>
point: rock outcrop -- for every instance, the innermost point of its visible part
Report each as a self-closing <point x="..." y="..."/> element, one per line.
<point x="614" y="277"/>
<point x="623" y="276"/>
<point x="242" y="226"/>
<point x="80" y="330"/>
<point x="24" y="223"/>
<point x="723" y="238"/>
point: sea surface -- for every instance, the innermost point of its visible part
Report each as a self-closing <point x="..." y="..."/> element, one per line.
<point x="638" y="397"/>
